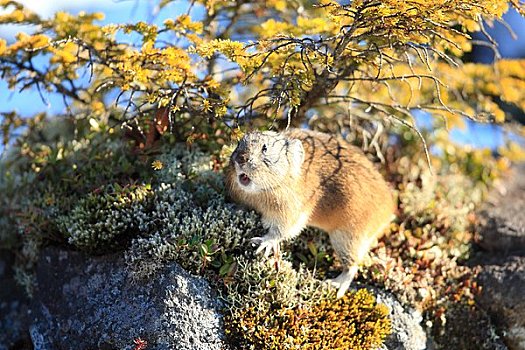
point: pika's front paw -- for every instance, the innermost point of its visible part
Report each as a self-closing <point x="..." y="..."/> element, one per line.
<point x="266" y="244"/>
<point x="343" y="281"/>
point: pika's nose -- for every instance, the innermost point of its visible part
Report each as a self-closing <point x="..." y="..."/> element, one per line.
<point x="241" y="158"/>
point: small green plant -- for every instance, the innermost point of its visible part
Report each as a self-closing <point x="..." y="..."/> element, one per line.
<point x="355" y="321"/>
<point x="99" y="220"/>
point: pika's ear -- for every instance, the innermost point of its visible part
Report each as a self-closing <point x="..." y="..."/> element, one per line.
<point x="296" y="156"/>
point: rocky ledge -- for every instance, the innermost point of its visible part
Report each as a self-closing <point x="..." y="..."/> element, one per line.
<point x="92" y="302"/>
<point x="501" y="261"/>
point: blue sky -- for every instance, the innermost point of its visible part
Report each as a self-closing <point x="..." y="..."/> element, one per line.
<point x="28" y="103"/>
<point x="122" y="11"/>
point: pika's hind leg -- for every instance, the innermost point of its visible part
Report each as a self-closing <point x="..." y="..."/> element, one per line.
<point x="278" y="231"/>
<point x="351" y="250"/>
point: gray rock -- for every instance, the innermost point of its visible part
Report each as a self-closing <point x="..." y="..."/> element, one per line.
<point x="503" y="296"/>
<point x="502" y="219"/>
<point x="407" y="332"/>
<point x="502" y="264"/>
<point x="92" y="302"/>
<point x="14" y="306"/>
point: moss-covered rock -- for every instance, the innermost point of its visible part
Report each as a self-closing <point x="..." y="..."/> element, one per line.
<point x="355" y="321"/>
<point x="86" y="188"/>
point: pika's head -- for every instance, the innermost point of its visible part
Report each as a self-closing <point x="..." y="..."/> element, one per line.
<point x="266" y="160"/>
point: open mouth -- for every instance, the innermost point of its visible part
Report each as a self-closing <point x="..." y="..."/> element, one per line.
<point x="244" y="179"/>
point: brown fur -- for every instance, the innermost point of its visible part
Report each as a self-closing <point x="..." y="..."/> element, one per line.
<point x="337" y="190"/>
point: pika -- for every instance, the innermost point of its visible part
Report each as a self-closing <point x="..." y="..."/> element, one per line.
<point x="301" y="178"/>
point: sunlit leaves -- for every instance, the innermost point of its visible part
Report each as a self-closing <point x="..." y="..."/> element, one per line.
<point x="268" y="60"/>
<point x="141" y="69"/>
<point x="184" y="24"/>
<point x="16" y="13"/>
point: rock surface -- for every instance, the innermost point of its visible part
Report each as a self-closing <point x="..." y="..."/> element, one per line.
<point x="407" y="332"/>
<point x="93" y="303"/>
<point x="502" y="263"/>
<point x="502" y="219"/>
<point x="503" y="296"/>
<point x="14" y="308"/>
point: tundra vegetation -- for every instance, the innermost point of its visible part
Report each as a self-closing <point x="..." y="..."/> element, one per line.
<point x="152" y="113"/>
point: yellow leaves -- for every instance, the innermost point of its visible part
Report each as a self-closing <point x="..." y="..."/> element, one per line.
<point x="15" y="16"/>
<point x="512" y="82"/>
<point x="495" y="8"/>
<point x="80" y="27"/>
<point x="512" y="89"/>
<point x="471" y="25"/>
<point x="513" y="151"/>
<point x="18" y="15"/>
<point x="62" y="17"/>
<point x="152" y="67"/>
<point x="26" y="42"/>
<point x="109" y="30"/>
<point x="304" y="26"/>
<point x="279" y="5"/>
<point x="470" y="89"/>
<point x="184" y="24"/>
<point x="98" y="16"/>
<point x="213" y="106"/>
<point x="492" y="108"/>
<point x="271" y="28"/>
<point x="176" y="58"/>
<point x="3" y="46"/>
<point x="316" y="25"/>
<point x="292" y="51"/>
<point x="428" y="22"/>
<point x="515" y="68"/>
<point x="194" y="38"/>
<point x="39" y="41"/>
<point x="212" y="84"/>
<point x="164" y="101"/>
<point x="97" y="107"/>
<point x="149" y="32"/>
<point x="220" y="111"/>
<point x="67" y="54"/>
<point x="455" y="121"/>
<point x="233" y="50"/>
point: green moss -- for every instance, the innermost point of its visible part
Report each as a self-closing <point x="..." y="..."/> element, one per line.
<point x="273" y="305"/>
<point x="192" y="224"/>
<point x="355" y="321"/>
<point x="99" y="220"/>
<point x="57" y="164"/>
<point x="59" y="168"/>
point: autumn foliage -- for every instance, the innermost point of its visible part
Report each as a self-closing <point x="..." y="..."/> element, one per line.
<point x="225" y="64"/>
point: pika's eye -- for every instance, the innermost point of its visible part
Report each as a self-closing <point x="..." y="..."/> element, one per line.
<point x="264" y="148"/>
